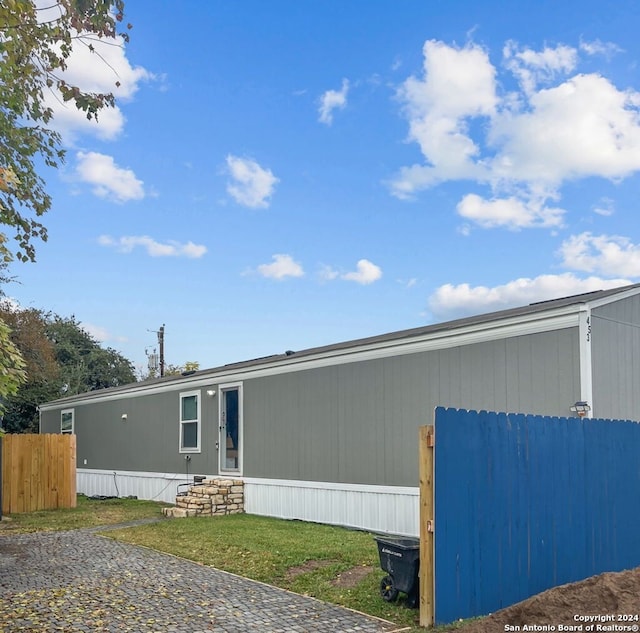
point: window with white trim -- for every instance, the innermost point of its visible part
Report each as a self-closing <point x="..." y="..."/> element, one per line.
<point x="66" y="421"/>
<point x="190" y="422"/>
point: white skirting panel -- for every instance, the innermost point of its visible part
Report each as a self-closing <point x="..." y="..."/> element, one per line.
<point x="387" y="509"/>
<point x="122" y="483"/>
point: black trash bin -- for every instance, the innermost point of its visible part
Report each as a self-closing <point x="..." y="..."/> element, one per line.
<point x="400" y="558"/>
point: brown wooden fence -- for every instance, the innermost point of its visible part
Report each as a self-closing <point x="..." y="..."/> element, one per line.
<point x="38" y="472"/>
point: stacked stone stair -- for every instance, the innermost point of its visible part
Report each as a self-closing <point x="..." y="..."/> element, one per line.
<point x="210" y="497"/>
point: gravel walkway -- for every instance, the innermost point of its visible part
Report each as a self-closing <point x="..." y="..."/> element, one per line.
<point x="79" y="581"/>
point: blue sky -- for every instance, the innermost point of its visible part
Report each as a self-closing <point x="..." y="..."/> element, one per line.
<point x="280" y="175"/>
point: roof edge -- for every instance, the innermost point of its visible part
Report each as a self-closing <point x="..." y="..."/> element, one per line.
<point x="403" y="339"/>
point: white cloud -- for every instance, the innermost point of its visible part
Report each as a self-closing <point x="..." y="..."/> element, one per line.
<point x="512" y="213"/>
<point x="597" y="47"/>
<point x="331" y="100"/>
<point x="602" y="254"/>
<point x="524" y="145"/>
<point x="605" y="207"/>
<point x="251" y="185"/>
<point x="171" y="248"/>
<point x="535" y="67"/>
<point x="108" y="180"/>
<point x="458" y="84"/>
<point x="105" y="70"/>
<point x="583" y="127"/>
<point x="281" y="267"/>
<point x="456" y="301"/>
<point x="328" y="273"/>
<point x="366" y="273"/>
<point x="99" y="333"/>
<point x="408" y="283"/>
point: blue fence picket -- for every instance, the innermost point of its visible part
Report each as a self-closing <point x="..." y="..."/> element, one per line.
<point x="524" y="503"/>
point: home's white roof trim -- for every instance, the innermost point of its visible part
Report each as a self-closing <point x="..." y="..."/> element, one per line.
<point x="491" y="330"/>
<point x="613" y="298"/>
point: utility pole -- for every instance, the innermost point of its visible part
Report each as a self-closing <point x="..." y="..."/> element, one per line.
<point x="156" y="363"/>
<point x="161" y="346"/>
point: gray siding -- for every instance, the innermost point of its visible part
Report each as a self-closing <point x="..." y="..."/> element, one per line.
<point x="358" y="423"/>
<point x="346" y="423"/>
<point x="615" y="355"/>
<point x="147" y="441"/>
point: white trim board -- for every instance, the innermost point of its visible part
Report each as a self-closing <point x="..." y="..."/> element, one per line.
<point x="560" y="318"/>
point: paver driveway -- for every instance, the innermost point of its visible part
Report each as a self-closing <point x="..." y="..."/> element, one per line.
<point x="79" y="581"/>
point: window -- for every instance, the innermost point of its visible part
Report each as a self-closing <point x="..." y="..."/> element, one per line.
<point x="66" y="421"/>
<point x="190" y="422"/>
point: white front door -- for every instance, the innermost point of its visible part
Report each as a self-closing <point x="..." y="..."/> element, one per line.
<point x="230" y="413"/>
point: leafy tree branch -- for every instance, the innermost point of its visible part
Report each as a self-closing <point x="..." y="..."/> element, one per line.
<point x="35" y="46"/>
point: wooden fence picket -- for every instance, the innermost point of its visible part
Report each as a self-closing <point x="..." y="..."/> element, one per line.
<point x="38" y="472"/>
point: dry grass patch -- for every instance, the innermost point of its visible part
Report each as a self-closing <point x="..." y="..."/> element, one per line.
<point x="351" y="577"/>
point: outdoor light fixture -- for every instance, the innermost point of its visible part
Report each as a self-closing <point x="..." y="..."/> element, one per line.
<point x="211" y="393"/>
<point x="124" y="417"/>
<point x="581" y="408"/>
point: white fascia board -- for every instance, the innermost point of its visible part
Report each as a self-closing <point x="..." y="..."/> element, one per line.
<point x="619" y="296"/>
<point x="532" y="323"/>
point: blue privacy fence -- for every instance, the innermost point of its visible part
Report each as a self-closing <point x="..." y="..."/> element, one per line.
<point x="524" y="503"/>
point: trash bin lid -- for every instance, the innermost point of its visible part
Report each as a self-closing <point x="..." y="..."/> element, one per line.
<point x="400" y="543"/>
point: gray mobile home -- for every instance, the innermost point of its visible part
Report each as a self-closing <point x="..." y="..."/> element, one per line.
<point x="330" y="434"/>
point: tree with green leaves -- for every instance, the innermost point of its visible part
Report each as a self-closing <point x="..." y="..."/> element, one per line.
<point x="170" y="370"/>
<point x="42" y="381"/>
<point x="12" y="367"/>
<point x="36" y="40"/>
<point x="84" y="364"/>
<point x="60" y="359"/>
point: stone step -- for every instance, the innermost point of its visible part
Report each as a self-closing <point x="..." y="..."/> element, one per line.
<point x="212" y="497"/>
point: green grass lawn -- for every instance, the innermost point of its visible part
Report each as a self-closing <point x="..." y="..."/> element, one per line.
<point x="334" y="564"/>
<point x="88" y="513"/>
